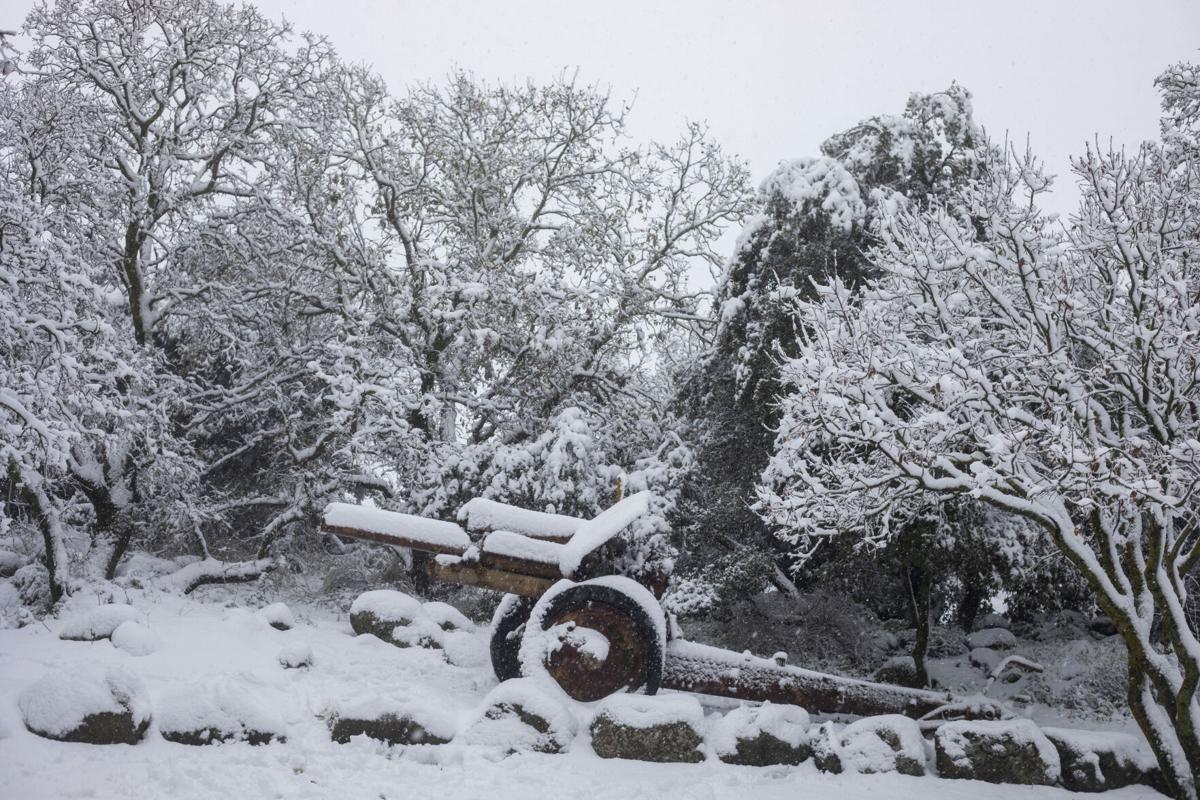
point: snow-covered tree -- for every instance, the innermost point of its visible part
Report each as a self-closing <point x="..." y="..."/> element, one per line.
<point x="816" y="220"/>
<point x="1051" y="373"/>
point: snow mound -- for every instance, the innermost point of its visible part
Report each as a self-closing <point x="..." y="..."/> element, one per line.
<point x="523" y="715"/>
<point x="447" y="617"/>
<point x="99" y="623"/>
<point x="278" y="616"/>
<point x="135" y="638"/>
<point x="787" y="723"/>
<point x="418" y="633"/>
<point x="60" y="703"/>
<point x="219" y="710"/>
<point x="295" y="655"/>
<point x="887" y="743"/>
<point x="465" y="649"/>
<point x="648" y="711"/>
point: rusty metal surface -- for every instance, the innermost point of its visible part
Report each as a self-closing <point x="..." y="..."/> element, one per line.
<point x="582" y="676"/>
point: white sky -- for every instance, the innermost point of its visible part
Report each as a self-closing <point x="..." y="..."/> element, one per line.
<point x="773" y="79"/>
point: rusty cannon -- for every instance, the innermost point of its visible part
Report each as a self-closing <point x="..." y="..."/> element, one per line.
<point x="595" y="632"/>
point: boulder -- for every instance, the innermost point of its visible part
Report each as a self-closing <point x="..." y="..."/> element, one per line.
<point x="219" y="711"/>
<point x="887" y="743"/>
<point x="898" y="670"/>
<point x="760" y="736"/>
<point x="278" y="616"/>
<point x="660" y="728"/>
<point x="987" y="621"/>
<point x="985" y="658"/>
<point x="135" y="638"/>
<point x="1095" y="761"/>
<point x="992" y="639"/>
<point x="98" y="623"/>
<point x="824" y="742"/>
<point x="297" y="655"/>
<point x="91" y="704"/>
<point x="392" y="720"/>
<point x="1007" y="751"/>
<point x="523" y="715"/>
<point x="394" y="617"/>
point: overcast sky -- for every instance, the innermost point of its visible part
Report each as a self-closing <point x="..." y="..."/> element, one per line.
<point x="773" y="79"/>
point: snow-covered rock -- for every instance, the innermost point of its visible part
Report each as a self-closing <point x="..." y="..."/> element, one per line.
<point x="464" y="649"/>
<point x="762" y="735"/>
<point x="1008" y="751"/>
<point x="986" y="621"/>
<point x="1094" y="761"/>
<point x="395" y="720"/>
<point x="661" y="728"/>
<point x="278" y="616"/>
<point x="985" y="658"/>
<point x="296" y="655"/>
<point x="523" y="715"/>
<point x="447" y="617"/>
<point x="219" y="711"/>
<point x="384" y="611"/>
<point x="898" y="670"/>
<point x="92" y="704"/>
<point x="10" y="562"/>
<point x="825" y="744"/>
<point x="887" y="743"/>
<point x="992" y="638"/>
<point x="135" y="638"/>
<point x="98" y="623"/>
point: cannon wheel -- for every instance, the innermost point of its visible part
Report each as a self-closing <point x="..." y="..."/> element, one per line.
<point x="635" y="653"/>
<point x="508" y="624"/>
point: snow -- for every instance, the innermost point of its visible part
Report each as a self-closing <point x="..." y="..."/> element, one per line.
<point x="481" y="514"/>
<point x="992" y="638"/>
<point x="206" y="644"/>
<point x="594" y="532"/>
<point x="953" y="739"/>
<point x="787" y="723"/>
<point x="277" y="615"/>
<point x="391" y="523"/>
<point x="863" y="748"/>
<point x="1126" y="748"/>
<point x="99" y="623"/>
<point x="135" y="638"/>
<point x="58" y="703"/>
<point x="388" y="604"/>
<point x="506" y="730"/>
<point x="232" y="705"/>
<point x="515" y="545"/>
<point x="448" y="617"/>
<point x="294" y="655"/>
<point x="647" y="711"/>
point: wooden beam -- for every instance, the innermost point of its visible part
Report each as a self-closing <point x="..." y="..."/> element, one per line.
<point x="478" y="575"/>
<point x="398" y="541"/>
<point x="521" y="566"/>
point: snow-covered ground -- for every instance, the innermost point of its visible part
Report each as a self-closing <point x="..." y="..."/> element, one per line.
<point x="221" y="645"/>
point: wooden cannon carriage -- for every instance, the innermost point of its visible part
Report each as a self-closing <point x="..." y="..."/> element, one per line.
<point x="609" y="632"/>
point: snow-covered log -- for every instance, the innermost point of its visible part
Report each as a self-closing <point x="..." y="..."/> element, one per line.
<point x="210" y="570"/>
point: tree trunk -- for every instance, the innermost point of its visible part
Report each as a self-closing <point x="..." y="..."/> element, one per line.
<point x="919" y="599"/>
<point x="968" y="609"/>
